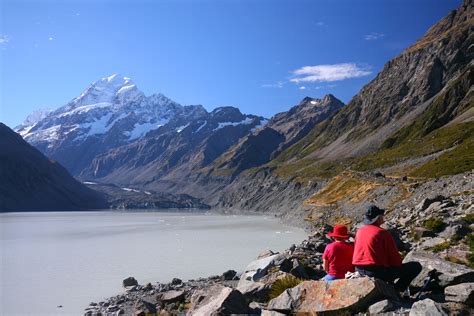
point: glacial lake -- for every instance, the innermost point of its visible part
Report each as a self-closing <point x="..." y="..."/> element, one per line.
<point x="74" y="258"/>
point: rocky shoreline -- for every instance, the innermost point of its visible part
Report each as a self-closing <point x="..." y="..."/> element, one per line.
<point x="436" y="232"/>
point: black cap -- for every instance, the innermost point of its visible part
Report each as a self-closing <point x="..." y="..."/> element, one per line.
<point x="372" y="214"/>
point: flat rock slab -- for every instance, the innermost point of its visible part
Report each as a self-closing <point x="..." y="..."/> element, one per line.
<point x="460" y="293"/>
<point x="449" y="273"/>
<point x="218" y="300"/>
<point x="171" y="296"/>
<point x="332" y="296"/>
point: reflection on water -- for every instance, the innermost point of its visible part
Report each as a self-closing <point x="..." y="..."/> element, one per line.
<point x="72" y="259"/>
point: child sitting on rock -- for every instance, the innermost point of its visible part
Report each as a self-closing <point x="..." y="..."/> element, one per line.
<point x="337" y="257"/>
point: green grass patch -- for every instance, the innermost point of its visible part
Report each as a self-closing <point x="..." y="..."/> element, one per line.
<point x="434" y="224"/>
<point x="461" y="135"/>
<point x="441" y="247"/>
<point x="283" y="284"/>
<point x="458" y="160"/>
<point x="469" y="218"/>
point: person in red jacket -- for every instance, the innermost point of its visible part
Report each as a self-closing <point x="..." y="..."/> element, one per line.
<point x="376" y="254"/>
<point x="337" y="256"/>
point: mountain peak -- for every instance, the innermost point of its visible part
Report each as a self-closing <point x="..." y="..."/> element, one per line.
<point x="108" y="89"/>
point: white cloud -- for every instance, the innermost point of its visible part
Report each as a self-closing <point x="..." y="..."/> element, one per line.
<point x="51" y="38"/>
<point x="4" y="39"/>
<point x="302" y="88"/>
<point x="320" y="23"/>
<point x="374" y="36"/>
<point x="329" y="73"/>
<point x="278" y="84"/>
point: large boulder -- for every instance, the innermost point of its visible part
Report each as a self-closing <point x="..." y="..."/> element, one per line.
<point x="257" y="291"/>
<point x="218" y="300"/>
<point x="460" y="293"/>
<point x="259" y="268"/>
<point x="346" y="295"/>
<point x="427" y="307"/>
<point x="130" y="281"/>
<point x="448" y="273"/>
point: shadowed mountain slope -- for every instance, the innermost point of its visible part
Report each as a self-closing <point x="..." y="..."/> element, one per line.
<point x="31" y="182"/>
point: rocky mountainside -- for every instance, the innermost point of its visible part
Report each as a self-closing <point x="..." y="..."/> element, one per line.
<point x="412" y="123"/>
<point x="283" y="130"/>
<point x="412" y="100"/>
<point x="111" y="112"/>
<point x="30" y="181"/>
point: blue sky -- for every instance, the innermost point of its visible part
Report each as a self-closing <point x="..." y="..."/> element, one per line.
<point x="261" y="56"/>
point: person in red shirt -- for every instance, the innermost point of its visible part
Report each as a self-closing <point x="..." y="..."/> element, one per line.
<point x="376" y="254"/>
<point x="337" y="256"/>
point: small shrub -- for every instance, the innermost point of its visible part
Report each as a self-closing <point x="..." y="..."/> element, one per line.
<point x="469" y="218"/>
<point x="470" y="260"/>
<point x="434" y="224"/>
<point x="282" y="284"/>
<point x="440" y="247"/>
<point x="470" y="242"/>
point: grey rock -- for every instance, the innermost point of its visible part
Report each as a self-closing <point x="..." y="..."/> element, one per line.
<point x="346" y="295"/>
<point x="130" y="281"/>
<point x="265" y="253"/>
<point x="431" y="242"/>
<point x="257" y="291"/>
<point x="171" y="296"/>
<point x="176" y="281"/>
<point x="423" y="205"/>
<point x="461" y="293"/>
<point x="383" y="307"/>
<point x="228" y="275"/>
<point x="218" y="300"/>
<point x="258" y="268"/>
<point x="298" y="270"/>
<point x="449" y="273"/>
<point x="454" y="231"/>
<point x="427" y="307"/>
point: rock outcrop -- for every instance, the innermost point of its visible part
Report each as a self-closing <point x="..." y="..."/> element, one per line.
<point x="350" y="295"/>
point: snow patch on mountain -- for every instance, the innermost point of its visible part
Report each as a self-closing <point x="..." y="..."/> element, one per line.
<point x="181" y="128"/>
<point x="201" y="127"/>
<point x="140" y="130"/>
<point x="247" y="120"/>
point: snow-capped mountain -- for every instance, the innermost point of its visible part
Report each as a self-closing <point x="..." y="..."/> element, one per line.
<point x="175" y="151"/>
<point x="110" y="112"/>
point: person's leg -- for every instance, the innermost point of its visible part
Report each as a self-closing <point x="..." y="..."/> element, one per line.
<point x="405" y="274"/>
<point x="377" y="272"/>
<point x="328" y="277"/>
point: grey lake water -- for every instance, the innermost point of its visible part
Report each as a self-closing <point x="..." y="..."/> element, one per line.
<point x="72" y="259"/>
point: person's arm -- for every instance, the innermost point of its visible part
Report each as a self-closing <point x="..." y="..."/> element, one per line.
<point x="326" y="265"/>
<point x="394" y="258"/>
<point x="325" y="259"/>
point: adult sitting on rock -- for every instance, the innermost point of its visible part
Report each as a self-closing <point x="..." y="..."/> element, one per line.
<point x="337" y="256"/>
<point x="376" y="254"/>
